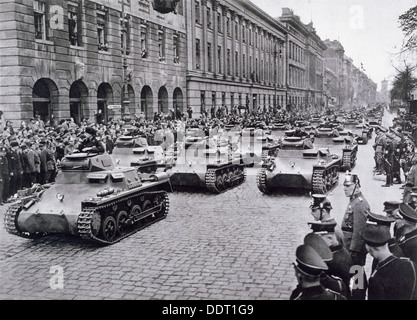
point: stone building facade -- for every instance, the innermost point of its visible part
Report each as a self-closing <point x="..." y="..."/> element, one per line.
<point x="236" y="57"/>
<point x="63" y="59"/>
<point x="75" y="58"/>
<point x="305" y="67"/>
<point x="349" y="86"/>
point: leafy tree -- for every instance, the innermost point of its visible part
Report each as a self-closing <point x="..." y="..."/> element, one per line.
<point x="403" y="84"/>
<point x="408" y="24"/>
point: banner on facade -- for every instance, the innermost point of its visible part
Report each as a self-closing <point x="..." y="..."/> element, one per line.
<point x="114" y="106"/>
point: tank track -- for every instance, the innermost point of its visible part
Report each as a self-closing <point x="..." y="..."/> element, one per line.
<point x="265" y="154"/>
<point x="10" y="223"/>
<point x="322" y="182"/>
<point x="86" y="217"/>
<point x="261" y="181"/>
<point x="214" y="187"/>
<point x="348" y="160"/>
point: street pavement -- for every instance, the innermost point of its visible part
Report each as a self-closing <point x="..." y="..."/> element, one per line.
<point x="238" y="245"/>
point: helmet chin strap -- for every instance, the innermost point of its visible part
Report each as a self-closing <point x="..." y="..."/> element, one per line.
<point x="354" y="189"/>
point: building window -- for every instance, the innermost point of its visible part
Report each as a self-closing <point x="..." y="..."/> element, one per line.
<point x="39" y="8"/>
<point x="176" y="40"/>
<point x="237" y="63"/>
<point x="228" y="26"/>
<point x="180" y="8"/>
<point x="219" y="59"/>
<point x="203" y="100"/>
<point x="243" y="34"/>
<point x="74" y="24"/>
<point x="161" y="44"/>
<point x="228" y="62"/>
<point x="219" y="22"/>
<point x="144" y="41"/>
<point x="125" y="33"/>
<point x="244" y="66"/>
<point x="197" y="54"/>
<point x="197" y="12"/>
<point x="209" y="60"/>
<point x="102" y="30"/>
<point x="209" y="18"/>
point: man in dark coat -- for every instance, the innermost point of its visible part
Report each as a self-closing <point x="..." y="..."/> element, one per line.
<point x="4" y="175"/>
<point x="407" y="233"/>
<point x="91" y="142"/>
<point x="308" y="268"/>
<point x="394" y="278"/>
<point x="16" y="167"/>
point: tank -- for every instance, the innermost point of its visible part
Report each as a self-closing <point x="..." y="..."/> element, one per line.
<point x="209" y="165"/>
<point x="363" y="133"/>
<point x="301" y="166"/>
<point x="91" y="199"/>
<point x="131" y="150"/>
<point x="340" y="142"/>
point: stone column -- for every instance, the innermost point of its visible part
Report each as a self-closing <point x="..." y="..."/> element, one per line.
<point x="204" y="37"/>
<point x="215" y="37"/>
<point x="233" y="23"/>
<point x="225" y="10"/>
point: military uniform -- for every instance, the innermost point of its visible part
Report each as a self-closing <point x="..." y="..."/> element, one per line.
<point x="310" y="264"/>
<point x="4" y="177"/>
<point x="407" y="240"/>
<point x="353" y="221"/>
<point x="16" y="168"/>
<point x="91" y="142"/>
<point x="393" y="278"/>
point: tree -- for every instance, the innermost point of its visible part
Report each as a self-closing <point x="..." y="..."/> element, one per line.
<point x="403" y="84"/>
<point x="408" y="24"/>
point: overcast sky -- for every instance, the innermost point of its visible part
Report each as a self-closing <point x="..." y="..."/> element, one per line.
<point x="368" y="29"/>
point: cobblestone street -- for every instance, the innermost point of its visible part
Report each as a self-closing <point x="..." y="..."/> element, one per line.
<point x="236" y="245"/>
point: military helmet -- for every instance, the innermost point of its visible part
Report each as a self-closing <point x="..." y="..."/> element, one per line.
<point x="350" y="179"/>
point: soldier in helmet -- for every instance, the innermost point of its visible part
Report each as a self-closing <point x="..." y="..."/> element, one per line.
<point x="355" y="219"/>
<point x="308" y="268"/>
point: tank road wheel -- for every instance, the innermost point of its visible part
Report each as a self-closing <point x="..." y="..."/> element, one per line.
<point x="109" y="228"/>
<point x="226" y="181"/>
<point x="230" y="177"/>
<point x="121" y="220"/>
<point x="136" y="210"/>
<point x="219" y="183"/>
<point x="147" y="204"/>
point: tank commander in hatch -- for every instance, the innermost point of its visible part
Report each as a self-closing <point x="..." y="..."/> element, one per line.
<point x="90" y="143"/>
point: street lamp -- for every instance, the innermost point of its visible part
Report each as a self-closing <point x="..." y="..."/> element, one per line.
<point x="125" y="103"/>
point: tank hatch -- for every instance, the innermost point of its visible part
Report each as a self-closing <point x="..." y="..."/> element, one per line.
<point x="86" y="162"/>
